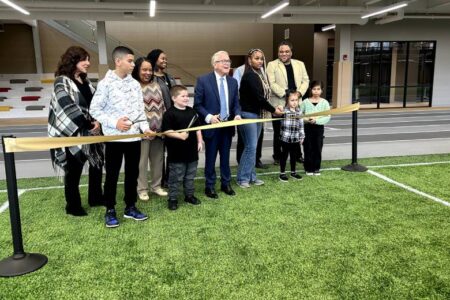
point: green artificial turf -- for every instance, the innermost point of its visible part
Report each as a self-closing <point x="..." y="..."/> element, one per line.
<point x="375" y="161"/>
<point x="340" y="235"/>
<point x="433" y="180"/>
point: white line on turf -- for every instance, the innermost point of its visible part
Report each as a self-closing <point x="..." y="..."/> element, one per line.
<point x="262" y="174"/>
<point x="6" y="204"/>
<point x="121" y="182"/>
<point x="408" y="188"/>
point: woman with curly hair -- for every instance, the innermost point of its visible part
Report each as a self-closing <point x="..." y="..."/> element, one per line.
<point x="69" y="116"/>
<point x="152" y="149"/>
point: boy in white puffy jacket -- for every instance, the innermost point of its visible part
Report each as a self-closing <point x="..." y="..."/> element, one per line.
<point x="118" y="106"/>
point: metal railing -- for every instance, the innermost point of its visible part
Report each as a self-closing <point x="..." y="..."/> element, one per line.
<point x="85" y="32"/>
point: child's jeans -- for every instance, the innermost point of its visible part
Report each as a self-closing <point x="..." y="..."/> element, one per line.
<point x="182" y="173"/>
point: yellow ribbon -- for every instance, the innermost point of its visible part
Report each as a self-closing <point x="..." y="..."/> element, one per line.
<point x="26" y="144"/>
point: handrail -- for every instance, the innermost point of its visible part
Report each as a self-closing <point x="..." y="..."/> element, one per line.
<point x="112" y="42"/>
<point x="190" y="75"/>
<point x="113" y="39"/>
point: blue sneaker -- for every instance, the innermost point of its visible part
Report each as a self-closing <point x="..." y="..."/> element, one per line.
<point x="111" y="218"/>
<point x="134" y="213"/>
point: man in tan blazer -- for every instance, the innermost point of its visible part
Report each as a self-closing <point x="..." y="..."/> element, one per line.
<point x="285" y="74"/>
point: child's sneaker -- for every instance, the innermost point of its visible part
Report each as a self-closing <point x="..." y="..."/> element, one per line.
<point x="111" y="218"/>
<point x="192" y="200"/>
<point x="296" y="176"/>
<point x="309" y="173"/>
<point x="133" y="213"/>
<point x="283" y="177"/>
<point x="317" y="173"/>
<point x="172" y="204"/>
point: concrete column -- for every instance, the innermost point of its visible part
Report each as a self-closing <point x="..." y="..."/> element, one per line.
<point x="394" y="60"/>
<point x="102" y="50"/>
<point x="342" y="68"/>
<point x="37" y="47"/>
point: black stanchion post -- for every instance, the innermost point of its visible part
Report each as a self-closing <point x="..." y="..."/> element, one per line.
<point x="20" y="262"/>
<point x="354" y="166"/>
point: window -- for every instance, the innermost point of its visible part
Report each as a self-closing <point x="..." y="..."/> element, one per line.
<point x="394" y="74"/>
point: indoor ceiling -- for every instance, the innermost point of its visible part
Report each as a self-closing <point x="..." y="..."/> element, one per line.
<point x="241" y="11"/>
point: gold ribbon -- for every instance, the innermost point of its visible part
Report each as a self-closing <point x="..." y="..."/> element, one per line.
<point x="26" y="144"/>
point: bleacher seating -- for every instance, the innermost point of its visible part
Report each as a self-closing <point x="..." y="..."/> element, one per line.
<point x="25" y="95"/>
<point x="28" y="95"/>
<point x="34" y="107"/>
<point x="33" y="89"/>
<point x="15" y="81"/>
<point x="30" y="98"/>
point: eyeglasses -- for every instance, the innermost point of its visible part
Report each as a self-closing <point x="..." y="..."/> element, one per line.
<point x="224" y="61"/>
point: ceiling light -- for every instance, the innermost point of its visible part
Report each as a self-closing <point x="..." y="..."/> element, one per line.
<point x="328" y="27"/>
<point x="152" y="9"/>
<point x="276" y="8"/>
<point x="385" y="9"/>
<point x="15" y="6"/>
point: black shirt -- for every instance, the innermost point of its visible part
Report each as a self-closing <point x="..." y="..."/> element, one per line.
<point x="251" y="94"/>
<point x="180" y="151"/>
<point x="290" y="77"/>
<point x="85" y="100"/>
<point x="85" y="91"/>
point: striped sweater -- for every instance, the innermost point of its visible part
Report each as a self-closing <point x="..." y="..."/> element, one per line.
<point x="154" y="105"/>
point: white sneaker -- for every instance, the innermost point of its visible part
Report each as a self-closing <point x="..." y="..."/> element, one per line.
<point x="143" y="196"/>
<point x="317" y="173"/>
<point x="309" y="173"/>
<point x="244" y="185"/>
<point x="257" y="182"/>
<point x="160" y="192"/>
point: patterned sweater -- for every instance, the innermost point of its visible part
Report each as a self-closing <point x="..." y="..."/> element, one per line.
<point x="116" y="98"/>
<point x="308" y="108"/>
<point x="154" y="105"/>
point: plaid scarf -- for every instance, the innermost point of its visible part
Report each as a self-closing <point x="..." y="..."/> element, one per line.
<point x="66" y="105"/>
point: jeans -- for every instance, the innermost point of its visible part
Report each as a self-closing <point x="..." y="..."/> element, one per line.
<point x="182" y="173"/>
<point x="240" y="145"/>
<point x="250" y="134"/>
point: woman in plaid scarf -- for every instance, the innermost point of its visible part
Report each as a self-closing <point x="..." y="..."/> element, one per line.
<point x="69" y="116"/>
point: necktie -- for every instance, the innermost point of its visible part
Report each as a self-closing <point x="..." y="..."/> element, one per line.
<point x="223" y="101"/>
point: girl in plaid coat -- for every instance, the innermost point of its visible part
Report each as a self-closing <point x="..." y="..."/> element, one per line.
<point x="291" y="134"/>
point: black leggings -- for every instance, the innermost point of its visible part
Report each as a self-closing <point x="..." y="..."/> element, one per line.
<point x="313" y="145"/>
<point x="291" y="150"/>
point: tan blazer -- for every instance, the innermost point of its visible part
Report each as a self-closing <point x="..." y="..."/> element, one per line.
<point x="276" y="71"/>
